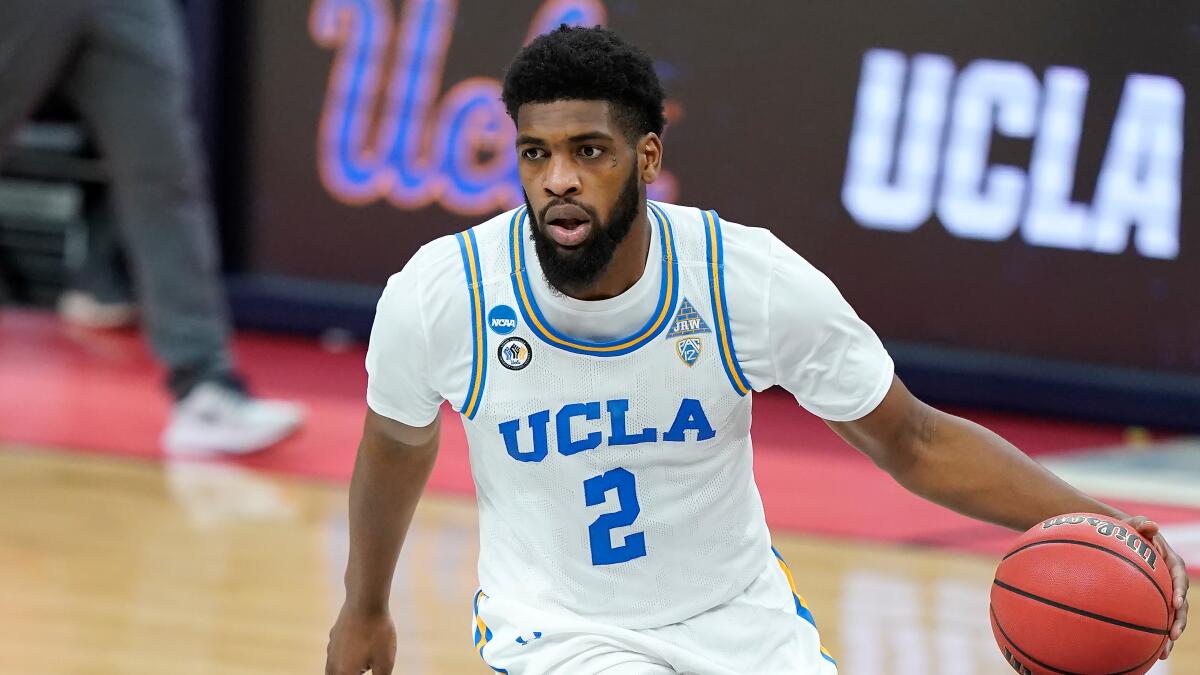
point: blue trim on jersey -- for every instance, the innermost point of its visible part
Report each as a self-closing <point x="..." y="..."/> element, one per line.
<point x="483" y="332"/>
<point x="469" y="249"/>
<point x="802" y="609"/>
<point x="668" y="294"/>
<point x="483" y="634"/>
<point x="716" y="295"/>
<point x="803" y="612"/>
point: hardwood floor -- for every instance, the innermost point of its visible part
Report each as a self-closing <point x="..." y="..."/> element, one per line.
<point x="125" y="566"/>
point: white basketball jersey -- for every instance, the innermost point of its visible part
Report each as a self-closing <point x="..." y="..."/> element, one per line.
<point x="614" y="478"/>
<point x="611" y="450"/>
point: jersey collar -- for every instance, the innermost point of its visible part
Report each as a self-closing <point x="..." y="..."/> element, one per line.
<point x="667" y="295"/>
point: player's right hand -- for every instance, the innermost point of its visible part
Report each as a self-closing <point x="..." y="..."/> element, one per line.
<point x="361" y="642"/>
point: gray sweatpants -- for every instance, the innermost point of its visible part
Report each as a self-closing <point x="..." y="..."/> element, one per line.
<point x="124" y="66"/>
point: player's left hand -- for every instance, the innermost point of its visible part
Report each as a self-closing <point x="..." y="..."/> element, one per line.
<point x="1179" y="576"/>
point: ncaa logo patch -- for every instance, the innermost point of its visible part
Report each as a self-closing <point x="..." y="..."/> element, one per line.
<point x="502" y="320"/>
<point x="514" y="353"/>
<point x="688" y="350"/>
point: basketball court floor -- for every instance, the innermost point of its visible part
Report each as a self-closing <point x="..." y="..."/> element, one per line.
<point x="115" y="559"/>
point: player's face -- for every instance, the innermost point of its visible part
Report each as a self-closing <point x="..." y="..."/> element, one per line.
<point x="583" y="185"/>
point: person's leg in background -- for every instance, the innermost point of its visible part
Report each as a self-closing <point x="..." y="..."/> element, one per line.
<point x="37" y="41"/>
<point x="100" y="293"/>
<point x="131" y="84"/>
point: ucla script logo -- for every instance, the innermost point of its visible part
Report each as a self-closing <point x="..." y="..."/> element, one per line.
<point x="456" y="150"/>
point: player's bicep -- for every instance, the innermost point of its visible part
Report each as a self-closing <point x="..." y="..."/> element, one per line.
<point x="386" y="432"/>
<point x="890" y="433"/>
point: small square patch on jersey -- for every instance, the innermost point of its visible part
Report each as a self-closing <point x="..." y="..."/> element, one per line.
<point x="687" y="321"/>
<point x="688" y="349"/>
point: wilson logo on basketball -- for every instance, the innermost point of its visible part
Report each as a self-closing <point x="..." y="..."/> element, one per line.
<point x="1016" y="664"/>
<point x="1110" y="529"/>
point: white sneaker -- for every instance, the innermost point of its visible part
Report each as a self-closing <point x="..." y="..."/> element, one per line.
<point x="213" y="419"/>
<point x="84" y="309"/>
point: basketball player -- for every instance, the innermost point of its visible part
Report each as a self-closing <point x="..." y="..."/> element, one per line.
<point x="602" y="350"/>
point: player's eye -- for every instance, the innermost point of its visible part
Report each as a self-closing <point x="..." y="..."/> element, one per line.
<point x="591" y="152"/>
<point x="532" y="154"/>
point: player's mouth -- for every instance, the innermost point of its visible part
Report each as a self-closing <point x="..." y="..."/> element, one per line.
<point x="567" y="225"/>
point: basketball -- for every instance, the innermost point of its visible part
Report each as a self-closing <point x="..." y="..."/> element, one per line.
<point x="1081" y="593"/>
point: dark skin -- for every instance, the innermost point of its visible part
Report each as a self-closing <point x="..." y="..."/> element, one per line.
<point x="575" y="149"/>
<point x="572" y="150"/>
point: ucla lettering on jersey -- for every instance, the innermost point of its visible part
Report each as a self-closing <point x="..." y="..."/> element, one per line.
<point x="614" y="478"/>
<point x="689" y="417"/>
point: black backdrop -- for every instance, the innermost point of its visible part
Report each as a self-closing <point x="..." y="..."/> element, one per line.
<point x="764" y="98"/>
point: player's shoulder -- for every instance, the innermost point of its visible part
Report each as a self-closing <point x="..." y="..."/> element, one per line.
<point x="740" y="245"/>
<point x="493" y="233"/>
<point x="748" y="244"/>
<point x="434" y="282"/>
<point x="438" y="266"/>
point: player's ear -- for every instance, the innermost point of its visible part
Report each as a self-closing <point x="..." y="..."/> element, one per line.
<point x="650" y="153"/>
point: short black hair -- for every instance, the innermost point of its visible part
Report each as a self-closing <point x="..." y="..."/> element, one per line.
<point x="588" y="64"/>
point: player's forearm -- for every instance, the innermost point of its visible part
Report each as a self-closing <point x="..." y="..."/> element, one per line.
<point x="387" y="484"/>
<point x="970" y="469"/>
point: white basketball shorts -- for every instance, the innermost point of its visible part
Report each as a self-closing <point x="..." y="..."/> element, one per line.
<point x="767" y="629"/>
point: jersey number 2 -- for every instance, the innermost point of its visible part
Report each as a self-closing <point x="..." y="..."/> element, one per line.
<point x="600" y="531"/>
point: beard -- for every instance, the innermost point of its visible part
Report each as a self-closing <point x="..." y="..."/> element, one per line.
<point x="576" y="268"/>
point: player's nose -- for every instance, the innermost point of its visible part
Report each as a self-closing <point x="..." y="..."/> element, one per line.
<point x="561" y="177"/>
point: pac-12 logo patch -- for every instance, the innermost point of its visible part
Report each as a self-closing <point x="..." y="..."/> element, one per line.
<point x="502" y="320"/>
<point x="514" y="353"/>
<point x="688" y="350"/>
<point x="687" y="321"/>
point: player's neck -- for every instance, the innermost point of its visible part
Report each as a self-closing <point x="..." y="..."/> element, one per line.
<point x="627" y="266"/>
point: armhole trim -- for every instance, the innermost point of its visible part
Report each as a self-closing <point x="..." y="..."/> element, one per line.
<point x="715" y="254"/>
<point x="469" y="250"/>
